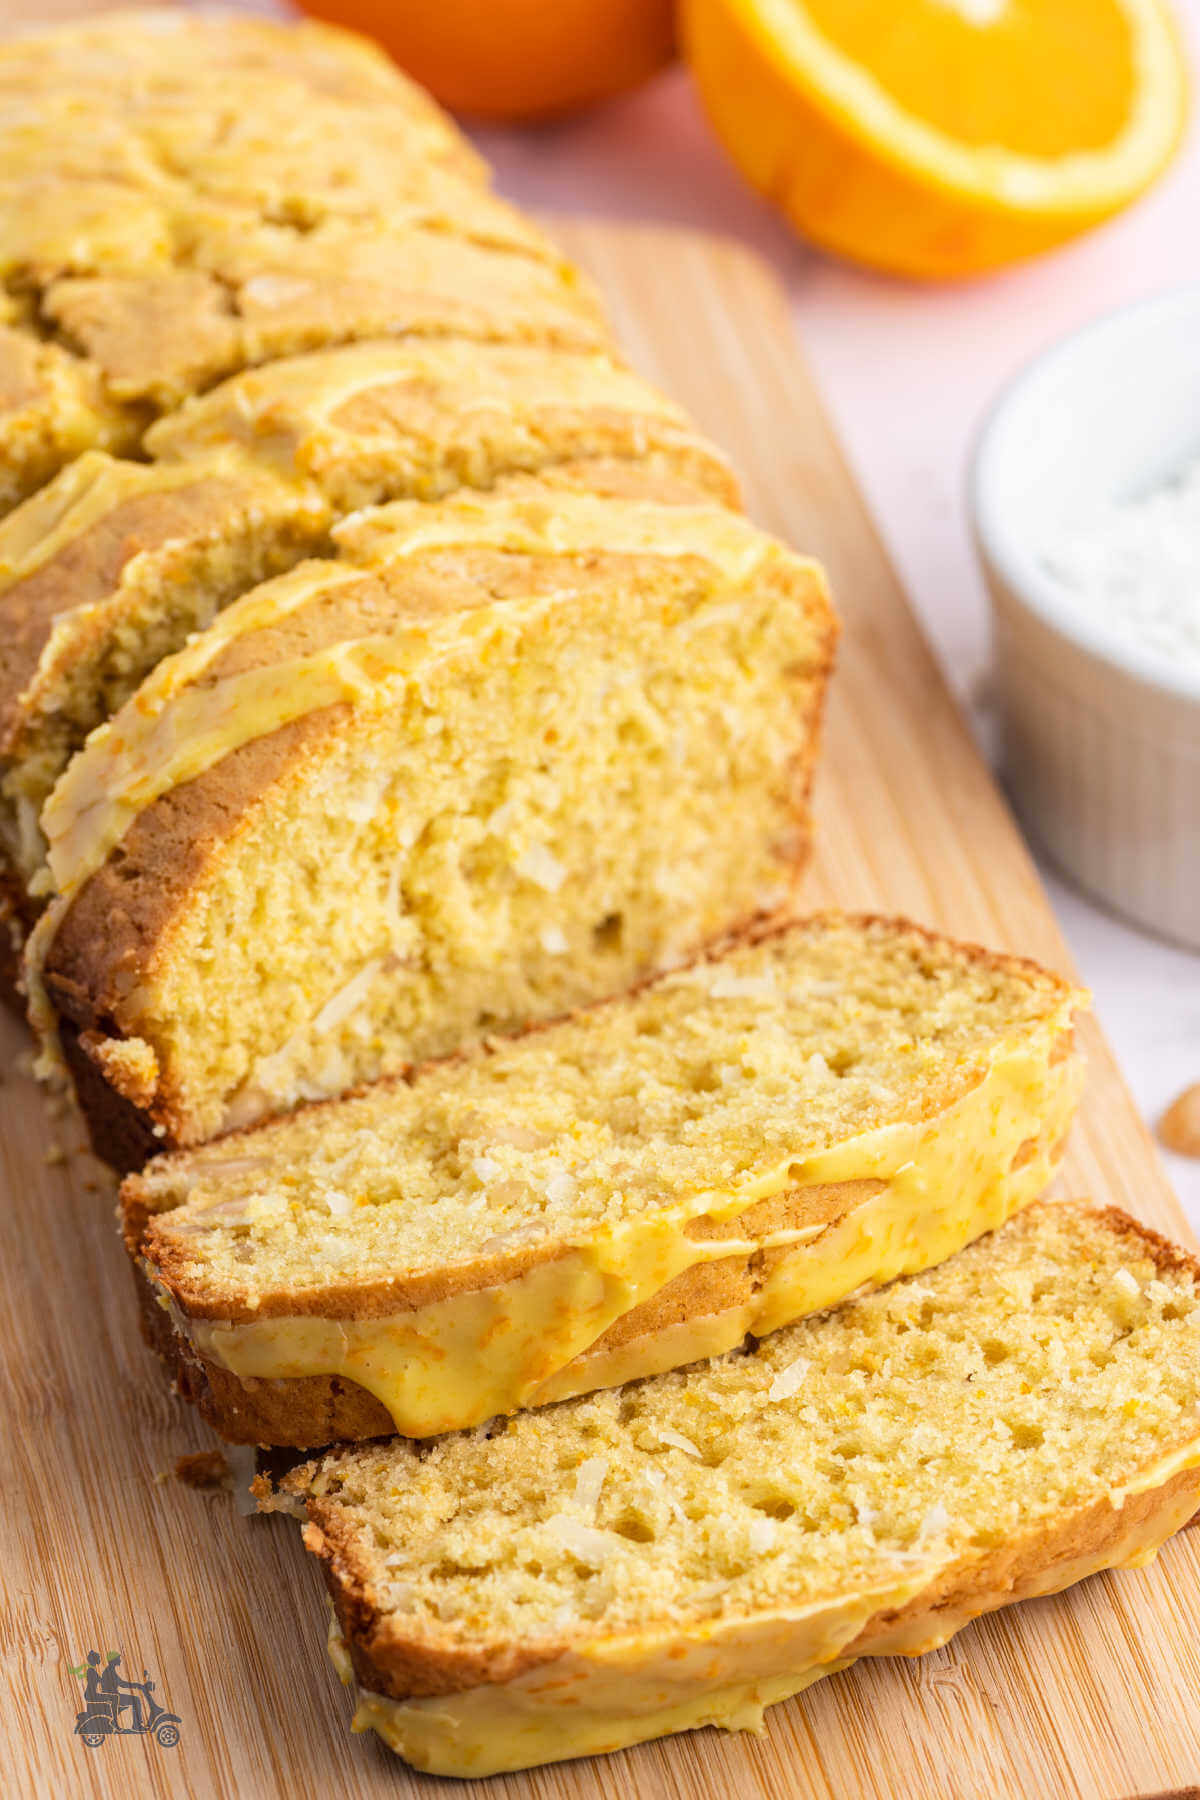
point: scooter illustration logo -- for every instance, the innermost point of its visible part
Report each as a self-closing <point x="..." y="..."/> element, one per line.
<point x="114" y="1707"/>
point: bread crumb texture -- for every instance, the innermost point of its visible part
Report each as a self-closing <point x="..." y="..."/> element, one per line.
<point x="1037" y="1372"/>
<point x="704" y="1081"/>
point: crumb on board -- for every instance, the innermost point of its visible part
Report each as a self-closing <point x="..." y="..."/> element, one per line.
<point x="1179" y="1127"/>
<point x="204" y="1469"/>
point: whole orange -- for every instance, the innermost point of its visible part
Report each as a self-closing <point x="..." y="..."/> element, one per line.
<point x="516" y="59"/>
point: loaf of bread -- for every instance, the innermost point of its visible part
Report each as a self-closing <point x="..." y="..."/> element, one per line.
<point x="691" y="1549"/>
<point x="385" y="669"/>
<point x="822" y="1108"/>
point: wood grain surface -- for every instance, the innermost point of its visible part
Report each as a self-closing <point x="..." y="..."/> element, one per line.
<point x="1094" y="1695"/>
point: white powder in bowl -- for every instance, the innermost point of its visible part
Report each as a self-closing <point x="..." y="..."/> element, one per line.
<point x="1138" y="566"/>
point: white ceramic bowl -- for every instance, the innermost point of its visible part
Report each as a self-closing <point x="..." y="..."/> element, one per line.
<point x="1101" y="738"/>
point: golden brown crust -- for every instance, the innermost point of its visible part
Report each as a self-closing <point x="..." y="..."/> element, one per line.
<point x="119" y="1134"/>
<point x="389" y="1660"/>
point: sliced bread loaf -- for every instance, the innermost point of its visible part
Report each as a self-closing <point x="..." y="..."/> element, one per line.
<point x="694" y="1548"/>
<point x="823" y="1107"/>
<point x="546" y="743"/>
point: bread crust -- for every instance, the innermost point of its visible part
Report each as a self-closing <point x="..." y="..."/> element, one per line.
<point x="17" y="917"/>
<point x="119" y="1133"/>
<point x="403" y="1665"/>
<point x="293" y="1414"/>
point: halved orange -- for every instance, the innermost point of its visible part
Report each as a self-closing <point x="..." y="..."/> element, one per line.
<point x="939" y="138"/>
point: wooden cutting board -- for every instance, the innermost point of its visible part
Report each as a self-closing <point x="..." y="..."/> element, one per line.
<point x="1094" y="1695"/>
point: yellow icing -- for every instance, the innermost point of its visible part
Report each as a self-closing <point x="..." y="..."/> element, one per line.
<point x="86" y="492"/>
<point x="200" y="728"/>
<point x="482" y="1351"/>
<point x="304" y="393"/>
<point x="608" y="1694"/>
<point x="559" y="524"/>
<point x="178" y="723"/>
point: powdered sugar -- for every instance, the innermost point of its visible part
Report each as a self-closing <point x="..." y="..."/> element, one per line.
<point x="1138" y="567"/>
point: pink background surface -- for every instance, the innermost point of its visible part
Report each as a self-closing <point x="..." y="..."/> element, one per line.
<point x="907" y="374"/>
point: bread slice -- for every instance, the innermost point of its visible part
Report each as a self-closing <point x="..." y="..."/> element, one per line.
<point x="53" y="406"/>
<point x="106" y="569"/>
<point x="692" y="1549"/>
<point x="545" y="743"/>
<point x="378" y="421"/>
<point x="826" y="1105"/>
